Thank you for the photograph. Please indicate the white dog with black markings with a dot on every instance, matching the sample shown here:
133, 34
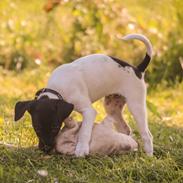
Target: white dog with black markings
78, 84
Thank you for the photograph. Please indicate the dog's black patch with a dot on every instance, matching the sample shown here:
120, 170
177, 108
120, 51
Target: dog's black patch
47, 117
124, 64
143, 65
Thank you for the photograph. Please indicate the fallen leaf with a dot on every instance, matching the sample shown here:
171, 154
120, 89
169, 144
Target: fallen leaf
43, 173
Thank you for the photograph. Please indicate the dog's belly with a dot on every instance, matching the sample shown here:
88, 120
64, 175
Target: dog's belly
93, 76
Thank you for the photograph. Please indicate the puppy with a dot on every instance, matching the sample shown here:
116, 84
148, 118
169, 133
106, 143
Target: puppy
104, 139
77, 85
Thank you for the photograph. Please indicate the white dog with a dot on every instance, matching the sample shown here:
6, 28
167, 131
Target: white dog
104, 139
82, 82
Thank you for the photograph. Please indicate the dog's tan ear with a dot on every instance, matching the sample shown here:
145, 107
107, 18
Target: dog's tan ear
21, 107
70, 123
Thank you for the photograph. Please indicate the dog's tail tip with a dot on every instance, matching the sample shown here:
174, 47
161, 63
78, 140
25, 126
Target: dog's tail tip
142, 66
126, 37
142, 38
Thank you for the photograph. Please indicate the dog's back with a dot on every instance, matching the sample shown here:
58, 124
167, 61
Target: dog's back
96, 72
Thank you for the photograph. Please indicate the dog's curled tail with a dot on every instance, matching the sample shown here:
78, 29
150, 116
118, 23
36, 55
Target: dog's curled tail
143, 65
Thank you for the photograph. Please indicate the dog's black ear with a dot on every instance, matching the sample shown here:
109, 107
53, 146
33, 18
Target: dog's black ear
64, 109
21, 107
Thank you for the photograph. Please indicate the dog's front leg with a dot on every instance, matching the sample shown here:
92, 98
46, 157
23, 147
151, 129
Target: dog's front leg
82, 147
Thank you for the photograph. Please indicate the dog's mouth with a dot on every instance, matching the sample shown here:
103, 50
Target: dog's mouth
48, 149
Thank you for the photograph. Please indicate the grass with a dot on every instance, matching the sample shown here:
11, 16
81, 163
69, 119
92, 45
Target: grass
21, 163
28, 31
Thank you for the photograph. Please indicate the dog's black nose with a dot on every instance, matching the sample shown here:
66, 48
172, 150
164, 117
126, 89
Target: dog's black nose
47, 149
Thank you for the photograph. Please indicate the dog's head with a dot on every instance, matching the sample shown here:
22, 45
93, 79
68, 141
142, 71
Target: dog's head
47, 117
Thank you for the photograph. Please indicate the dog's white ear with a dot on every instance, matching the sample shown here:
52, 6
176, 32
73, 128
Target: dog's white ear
21, 107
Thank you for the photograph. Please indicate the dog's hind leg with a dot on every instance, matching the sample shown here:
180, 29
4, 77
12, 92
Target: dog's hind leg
114, 105
137, 106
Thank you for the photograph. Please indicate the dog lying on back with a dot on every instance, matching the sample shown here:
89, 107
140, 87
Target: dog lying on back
104, 139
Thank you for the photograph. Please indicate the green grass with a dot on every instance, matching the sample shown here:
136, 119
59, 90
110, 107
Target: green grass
27, 33
21, 163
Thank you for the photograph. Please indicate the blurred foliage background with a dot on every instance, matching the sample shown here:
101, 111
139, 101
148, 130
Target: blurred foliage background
53, 32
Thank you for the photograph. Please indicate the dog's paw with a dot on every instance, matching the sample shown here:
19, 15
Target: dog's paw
127, 131
148, 147
150, 154
81, 150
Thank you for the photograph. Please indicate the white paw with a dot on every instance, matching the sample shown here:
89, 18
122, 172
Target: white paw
150, 154
148, 147
81, 150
